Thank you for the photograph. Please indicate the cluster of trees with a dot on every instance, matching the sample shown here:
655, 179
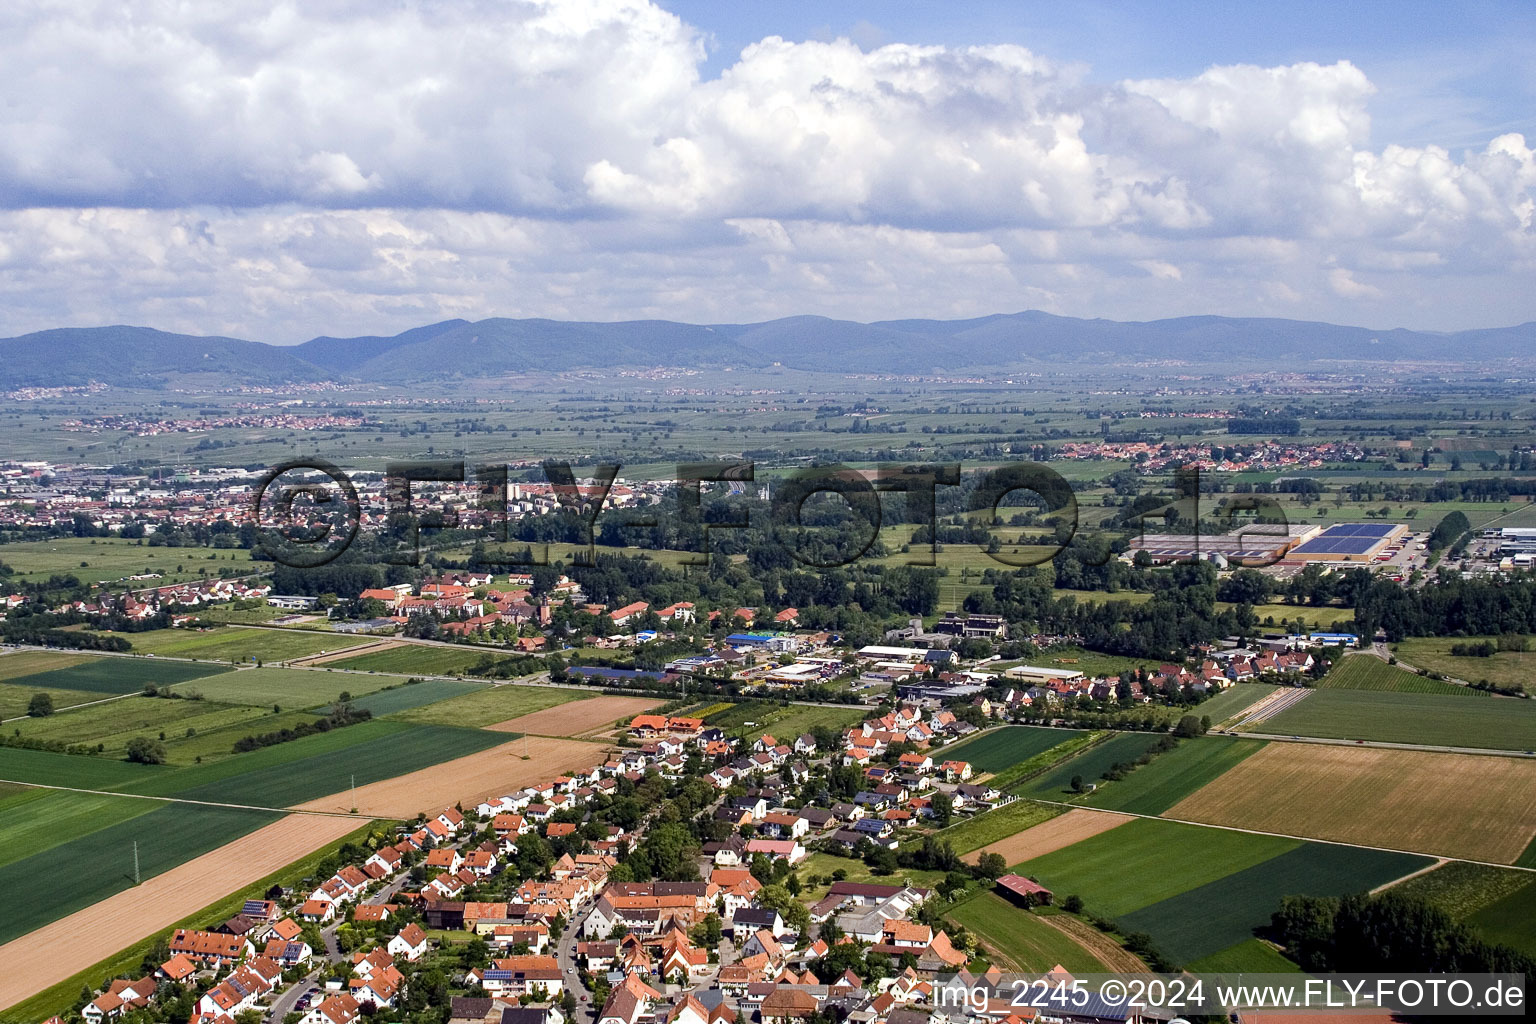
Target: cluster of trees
341, 715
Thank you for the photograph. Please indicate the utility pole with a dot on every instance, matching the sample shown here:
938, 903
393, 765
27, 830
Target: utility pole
135, 862
354, 792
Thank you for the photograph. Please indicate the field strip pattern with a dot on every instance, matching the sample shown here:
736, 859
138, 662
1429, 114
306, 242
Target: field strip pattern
1270, 706
69, 945
467, 780
1050, 836
1467, 806
578, 717
167, 799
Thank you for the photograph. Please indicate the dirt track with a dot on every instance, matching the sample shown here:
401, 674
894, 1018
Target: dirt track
578, 717
466, 780
52, 953
1049, 836
1113, 955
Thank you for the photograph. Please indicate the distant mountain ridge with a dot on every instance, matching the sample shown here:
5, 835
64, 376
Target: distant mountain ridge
461, 349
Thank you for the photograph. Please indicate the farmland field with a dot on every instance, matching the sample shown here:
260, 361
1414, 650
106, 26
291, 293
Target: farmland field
1471, 806
1091, 764
1234, 700
791, 722
1496, 723
110, 559
1461, 889
1251, 956
289, 687
998, 749
52, 769
1364, 672
1224, 912
100, 863
240, 643
1047, 837
117, 675
113, 723
14, 664
1018, 941
1155, 787
1505, 668
14, 699
1508, 920
991, 826
415, 695
418, 659
54, 818
1146, 860
489, 705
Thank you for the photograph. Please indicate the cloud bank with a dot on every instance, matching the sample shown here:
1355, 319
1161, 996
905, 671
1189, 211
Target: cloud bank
343, 166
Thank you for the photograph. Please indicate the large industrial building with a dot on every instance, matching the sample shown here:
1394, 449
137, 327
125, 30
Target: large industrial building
1255, 544
1349, 542
1513, 540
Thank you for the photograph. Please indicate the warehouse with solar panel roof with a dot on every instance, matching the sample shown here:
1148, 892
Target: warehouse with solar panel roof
1349, 542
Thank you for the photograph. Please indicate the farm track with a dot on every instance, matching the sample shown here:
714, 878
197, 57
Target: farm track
1269, 707
1114, 956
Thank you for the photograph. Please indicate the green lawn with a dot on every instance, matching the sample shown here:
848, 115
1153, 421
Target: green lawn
487, 706
421, 660
1251, 956
999, 749
1147, 860
1205, 920
15, 699
1170, 777
100, 863
786, 724
1505, 668
824, 864
287, 687
1091, 764
1364, 672
990, 826
117, 675
240, 643
1496, 723
1019, 941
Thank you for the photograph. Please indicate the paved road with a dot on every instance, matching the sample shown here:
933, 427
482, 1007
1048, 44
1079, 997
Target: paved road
565, 953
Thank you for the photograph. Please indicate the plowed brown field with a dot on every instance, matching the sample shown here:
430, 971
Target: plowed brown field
577, 718
1048, 836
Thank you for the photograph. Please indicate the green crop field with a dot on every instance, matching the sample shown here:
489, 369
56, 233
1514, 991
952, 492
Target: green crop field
1462, 889
416, 659
288, 687
999, 749
1147, 860
1205, 920
990, 826
384, 754
113, 723
487, 706
1170, 777
15, 664
15, 699
1495, 723
214, 740
51, 769
1251, 956
786, 724
1019, 941
1364, 672
117, 675
405, 697
1507, 921
1505, 668
241, 643
1233, 701
1091, 764
100, 863
110, 559
55, 817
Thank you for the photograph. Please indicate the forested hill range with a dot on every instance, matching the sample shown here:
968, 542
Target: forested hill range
460, 349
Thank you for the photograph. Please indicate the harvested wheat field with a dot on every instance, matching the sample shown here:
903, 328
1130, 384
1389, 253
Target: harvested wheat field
467, 780
577, 718
1470, 806
1050, 836
54, 952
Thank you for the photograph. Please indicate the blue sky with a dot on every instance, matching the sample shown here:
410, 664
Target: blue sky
279, 170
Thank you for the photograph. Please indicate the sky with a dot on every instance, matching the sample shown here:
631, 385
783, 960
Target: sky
279, 171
